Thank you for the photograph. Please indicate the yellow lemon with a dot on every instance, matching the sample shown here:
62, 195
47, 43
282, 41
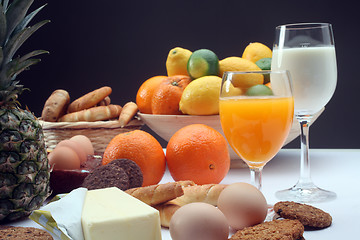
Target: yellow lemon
201, 96
176, 62
256, 51
241, 64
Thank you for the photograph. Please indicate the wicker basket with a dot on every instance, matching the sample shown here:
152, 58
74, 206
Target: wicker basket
100, 133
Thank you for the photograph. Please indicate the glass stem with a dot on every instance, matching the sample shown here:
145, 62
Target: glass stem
305, 178
256, 175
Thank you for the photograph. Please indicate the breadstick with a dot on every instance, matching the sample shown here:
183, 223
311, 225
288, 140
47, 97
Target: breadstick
99, 113
128, 112
105, 102
156, 194
89, 100
208, 193
55, 106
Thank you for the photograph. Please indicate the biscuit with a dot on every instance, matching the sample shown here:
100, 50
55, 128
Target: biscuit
308, 215
21, 233
132, 170
107, 176
274, 230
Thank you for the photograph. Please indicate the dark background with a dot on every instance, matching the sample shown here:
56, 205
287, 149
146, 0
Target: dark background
123, 43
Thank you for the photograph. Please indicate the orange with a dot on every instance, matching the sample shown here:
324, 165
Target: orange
142, 148
146, 92
199, 153
168, 94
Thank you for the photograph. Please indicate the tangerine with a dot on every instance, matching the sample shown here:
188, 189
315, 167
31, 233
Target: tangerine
167, 95
146, 92
142, 148
199, 153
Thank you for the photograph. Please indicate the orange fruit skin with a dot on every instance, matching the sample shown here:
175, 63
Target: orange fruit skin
145, 93
142, 148
167, 96
199, 153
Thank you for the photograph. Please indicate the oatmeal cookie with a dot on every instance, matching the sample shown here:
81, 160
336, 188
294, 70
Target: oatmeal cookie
308, 215
285, 229
21, 233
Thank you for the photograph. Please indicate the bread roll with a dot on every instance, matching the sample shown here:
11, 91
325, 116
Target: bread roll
55, 106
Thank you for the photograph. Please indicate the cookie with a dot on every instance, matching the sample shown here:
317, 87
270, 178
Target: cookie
21, 233
274, 230
308, 215
107, 176
132, 170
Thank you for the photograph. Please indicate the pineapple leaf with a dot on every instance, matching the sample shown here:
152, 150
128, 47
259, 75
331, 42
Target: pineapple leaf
32, 54
2, 25
16, 41
5, 5
16, 13
23, 24
1, 55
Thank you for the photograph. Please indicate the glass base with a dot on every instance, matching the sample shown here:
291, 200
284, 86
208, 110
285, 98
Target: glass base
306, 194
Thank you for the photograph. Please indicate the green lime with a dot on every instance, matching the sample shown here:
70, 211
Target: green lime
203, 62
264, 64
259, 90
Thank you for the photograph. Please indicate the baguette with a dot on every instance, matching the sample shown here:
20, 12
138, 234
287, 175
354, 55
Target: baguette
89, 100
55, 106
99, 113
208, 193
157, 194
105, 102
128, 112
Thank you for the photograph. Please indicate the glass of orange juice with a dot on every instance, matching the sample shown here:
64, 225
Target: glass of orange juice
256, 114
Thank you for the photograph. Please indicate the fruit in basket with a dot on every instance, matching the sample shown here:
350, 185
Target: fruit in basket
201, 96
24, 167
203, 62
256, 51
142, 148
176, 62
198, 153
241, 64
145, 93
167, 95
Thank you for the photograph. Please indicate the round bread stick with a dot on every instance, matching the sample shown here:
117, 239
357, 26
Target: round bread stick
99, 113
89, 100
55, 106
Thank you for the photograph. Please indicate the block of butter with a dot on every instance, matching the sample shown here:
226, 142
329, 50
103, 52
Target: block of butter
110, 213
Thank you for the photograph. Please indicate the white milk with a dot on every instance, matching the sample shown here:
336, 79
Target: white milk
313, 72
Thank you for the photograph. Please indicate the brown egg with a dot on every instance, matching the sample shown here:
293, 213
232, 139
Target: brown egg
243, 205
198, 221
85, 142
64, 158
77, 147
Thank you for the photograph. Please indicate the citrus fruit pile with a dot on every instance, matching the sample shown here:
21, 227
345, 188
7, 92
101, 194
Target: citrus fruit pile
196, 152
193, 81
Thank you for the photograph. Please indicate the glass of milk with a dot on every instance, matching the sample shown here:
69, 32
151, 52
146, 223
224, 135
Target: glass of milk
307, 51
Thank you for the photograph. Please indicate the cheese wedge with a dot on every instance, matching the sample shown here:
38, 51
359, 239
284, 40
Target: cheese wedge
113, 214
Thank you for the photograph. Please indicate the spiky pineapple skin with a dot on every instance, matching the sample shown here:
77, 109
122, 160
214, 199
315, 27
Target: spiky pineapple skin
24, 166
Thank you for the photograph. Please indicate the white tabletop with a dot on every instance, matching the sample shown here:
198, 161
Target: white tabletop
335, 170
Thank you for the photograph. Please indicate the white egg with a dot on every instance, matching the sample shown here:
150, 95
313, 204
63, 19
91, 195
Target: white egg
243, 205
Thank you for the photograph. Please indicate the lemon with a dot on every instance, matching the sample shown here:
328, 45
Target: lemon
241, 64
201, 96
176, 62
203, 62
256, 51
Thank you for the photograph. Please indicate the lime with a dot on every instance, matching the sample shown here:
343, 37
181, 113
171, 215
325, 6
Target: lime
203, 62
259, 90
265, 64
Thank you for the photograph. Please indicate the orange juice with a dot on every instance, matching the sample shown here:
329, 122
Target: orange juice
256, 128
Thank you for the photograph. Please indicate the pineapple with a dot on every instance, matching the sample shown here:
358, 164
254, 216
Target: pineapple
24, 167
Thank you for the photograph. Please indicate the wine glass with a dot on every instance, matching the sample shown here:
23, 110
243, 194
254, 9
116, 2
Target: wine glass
306, 50
256, 120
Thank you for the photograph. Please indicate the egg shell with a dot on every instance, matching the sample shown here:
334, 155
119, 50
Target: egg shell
85, 142
64, 158
198, 221
243, 205
75, 146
